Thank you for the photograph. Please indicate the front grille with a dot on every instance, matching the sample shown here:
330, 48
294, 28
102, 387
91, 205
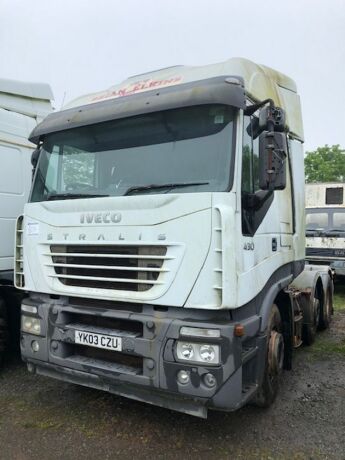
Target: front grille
117, 267
128, 364
129, 327
325, 252
126, 361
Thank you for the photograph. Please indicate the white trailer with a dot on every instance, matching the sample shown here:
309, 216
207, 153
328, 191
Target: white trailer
163, 245
22, 107
325, 225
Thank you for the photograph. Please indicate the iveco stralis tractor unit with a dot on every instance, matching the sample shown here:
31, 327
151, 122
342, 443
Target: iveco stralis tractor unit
325, 225
22, 106
163, 245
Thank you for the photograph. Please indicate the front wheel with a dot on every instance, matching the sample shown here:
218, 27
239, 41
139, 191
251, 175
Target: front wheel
274, 360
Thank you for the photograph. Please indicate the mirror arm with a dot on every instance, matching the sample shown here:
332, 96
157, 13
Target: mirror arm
251, 109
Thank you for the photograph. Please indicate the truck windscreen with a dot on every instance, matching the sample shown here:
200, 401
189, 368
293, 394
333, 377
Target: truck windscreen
179, 151
321, 220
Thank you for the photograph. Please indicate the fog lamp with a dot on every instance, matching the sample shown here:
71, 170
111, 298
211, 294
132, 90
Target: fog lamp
183, 377
35, 346
209, 380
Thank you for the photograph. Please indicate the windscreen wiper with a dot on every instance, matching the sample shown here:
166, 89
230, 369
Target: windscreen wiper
71, 196
312, 232
332, 231
143, 188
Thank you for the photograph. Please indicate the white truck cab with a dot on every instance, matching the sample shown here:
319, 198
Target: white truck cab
325, 225
164, 236
22, 106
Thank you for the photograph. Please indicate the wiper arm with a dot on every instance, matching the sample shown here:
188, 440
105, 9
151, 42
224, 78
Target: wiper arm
142, 188
334, 230
311, 232
71, 196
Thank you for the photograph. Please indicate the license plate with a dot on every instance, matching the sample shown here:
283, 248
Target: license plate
108, 342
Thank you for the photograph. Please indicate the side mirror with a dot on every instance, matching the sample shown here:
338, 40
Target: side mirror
272, 119
272, 160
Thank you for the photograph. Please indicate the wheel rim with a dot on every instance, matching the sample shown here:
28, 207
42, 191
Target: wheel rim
275, 353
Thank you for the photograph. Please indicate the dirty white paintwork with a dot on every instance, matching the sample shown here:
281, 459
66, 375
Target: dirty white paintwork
22, 106
261, 82
315, 195
209, 268
316, 198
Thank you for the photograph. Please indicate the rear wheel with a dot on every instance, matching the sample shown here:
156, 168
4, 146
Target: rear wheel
326, 309
274, 360
3, 330
311, 314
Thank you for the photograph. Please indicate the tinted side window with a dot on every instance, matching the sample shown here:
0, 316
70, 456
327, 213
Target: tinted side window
251, 215
250, 160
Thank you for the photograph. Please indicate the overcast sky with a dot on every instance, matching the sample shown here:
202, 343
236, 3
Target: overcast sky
81, 46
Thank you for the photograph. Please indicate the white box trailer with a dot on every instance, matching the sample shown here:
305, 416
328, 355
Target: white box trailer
22, 106
325, 225
163, 244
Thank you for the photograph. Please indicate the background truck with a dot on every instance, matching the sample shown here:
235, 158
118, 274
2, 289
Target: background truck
22, 106
325, 225
163, 245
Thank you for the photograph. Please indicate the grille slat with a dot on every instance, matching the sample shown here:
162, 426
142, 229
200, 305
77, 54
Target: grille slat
111, 267
110, 256
103, 278
108, 266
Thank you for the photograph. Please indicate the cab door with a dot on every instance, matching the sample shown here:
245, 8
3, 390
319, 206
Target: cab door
267, 227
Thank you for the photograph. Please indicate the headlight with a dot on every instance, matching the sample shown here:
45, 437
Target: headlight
31, 325
197, 352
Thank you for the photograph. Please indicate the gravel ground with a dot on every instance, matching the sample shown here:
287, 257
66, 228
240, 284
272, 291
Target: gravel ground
42, 418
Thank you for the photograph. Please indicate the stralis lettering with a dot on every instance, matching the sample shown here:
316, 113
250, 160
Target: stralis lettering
102, 237
100, 218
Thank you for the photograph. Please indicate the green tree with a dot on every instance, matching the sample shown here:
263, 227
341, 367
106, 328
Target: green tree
325, 164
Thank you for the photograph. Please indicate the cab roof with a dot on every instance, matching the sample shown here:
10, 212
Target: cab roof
28, 98
180, 86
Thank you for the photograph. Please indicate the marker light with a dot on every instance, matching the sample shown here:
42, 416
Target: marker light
29, 308
199, 332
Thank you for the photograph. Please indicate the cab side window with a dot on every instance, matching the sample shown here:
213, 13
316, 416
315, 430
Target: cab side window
250, 159
252, 215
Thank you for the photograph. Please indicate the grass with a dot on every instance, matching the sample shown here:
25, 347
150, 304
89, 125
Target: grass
332, 343
339, 295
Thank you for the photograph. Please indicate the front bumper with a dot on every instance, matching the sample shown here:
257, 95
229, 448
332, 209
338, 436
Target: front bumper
147, 367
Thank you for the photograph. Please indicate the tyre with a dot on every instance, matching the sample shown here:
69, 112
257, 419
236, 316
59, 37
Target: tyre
3, 330
274, 360
311, 315
326, 309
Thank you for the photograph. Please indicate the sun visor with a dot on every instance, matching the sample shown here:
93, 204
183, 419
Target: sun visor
227, 90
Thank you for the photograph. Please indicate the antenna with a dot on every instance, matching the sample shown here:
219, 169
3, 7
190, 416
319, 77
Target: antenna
63, 100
